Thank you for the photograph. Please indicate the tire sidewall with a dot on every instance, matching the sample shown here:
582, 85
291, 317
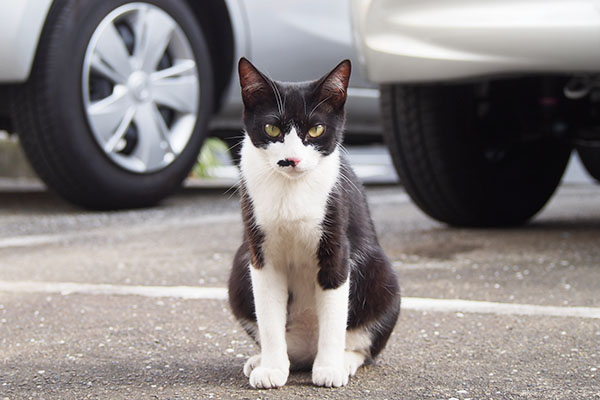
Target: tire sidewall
96, 173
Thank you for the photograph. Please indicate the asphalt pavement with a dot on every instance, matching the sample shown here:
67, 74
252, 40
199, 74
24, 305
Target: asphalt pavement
130, 304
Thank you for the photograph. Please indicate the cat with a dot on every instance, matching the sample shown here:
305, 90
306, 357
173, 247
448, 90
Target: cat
310, 282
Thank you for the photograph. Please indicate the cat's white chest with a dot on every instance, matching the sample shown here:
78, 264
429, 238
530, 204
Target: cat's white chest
290, 218
281, 204
288, 211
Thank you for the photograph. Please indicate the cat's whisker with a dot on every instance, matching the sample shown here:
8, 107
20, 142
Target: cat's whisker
236, 137
340, 185
348, 180
277, 96
317, 106
234, 189
344, 150
280, 101
235, 145
273, 115
232, 194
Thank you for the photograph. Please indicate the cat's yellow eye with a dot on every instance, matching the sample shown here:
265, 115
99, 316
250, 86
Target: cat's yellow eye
272, 130
316, 131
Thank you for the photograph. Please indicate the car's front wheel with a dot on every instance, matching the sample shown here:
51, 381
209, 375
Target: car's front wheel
476, 155
116, 108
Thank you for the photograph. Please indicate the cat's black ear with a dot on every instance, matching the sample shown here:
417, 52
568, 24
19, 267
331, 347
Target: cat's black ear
333, 87
254, 84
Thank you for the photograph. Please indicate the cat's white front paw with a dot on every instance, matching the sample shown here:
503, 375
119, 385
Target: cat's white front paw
267, 378
252, 363
330, 376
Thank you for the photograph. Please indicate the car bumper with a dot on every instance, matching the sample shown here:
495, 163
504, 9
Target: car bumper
437, 40
21, 24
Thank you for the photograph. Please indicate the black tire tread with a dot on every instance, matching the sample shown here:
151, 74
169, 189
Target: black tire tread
427, 130
33, 118
418, 159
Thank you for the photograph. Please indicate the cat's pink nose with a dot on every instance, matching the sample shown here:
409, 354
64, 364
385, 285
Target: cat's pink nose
293, 161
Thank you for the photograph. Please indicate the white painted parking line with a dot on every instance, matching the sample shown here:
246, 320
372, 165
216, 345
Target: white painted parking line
487, 307
34, 240
218, 293
67, 288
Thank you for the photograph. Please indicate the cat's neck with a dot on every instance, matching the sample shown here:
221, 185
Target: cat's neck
277, 198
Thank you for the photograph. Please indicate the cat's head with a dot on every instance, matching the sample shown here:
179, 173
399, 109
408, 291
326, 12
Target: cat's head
294, 125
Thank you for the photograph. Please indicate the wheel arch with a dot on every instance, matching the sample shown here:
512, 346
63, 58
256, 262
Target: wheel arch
216, 24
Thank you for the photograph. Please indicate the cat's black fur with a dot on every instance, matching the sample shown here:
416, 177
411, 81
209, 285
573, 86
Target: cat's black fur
349, 242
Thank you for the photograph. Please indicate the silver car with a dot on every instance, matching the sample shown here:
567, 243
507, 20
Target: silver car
483, 101
112, 99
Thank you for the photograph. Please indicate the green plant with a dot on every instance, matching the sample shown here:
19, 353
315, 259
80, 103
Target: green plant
212, 155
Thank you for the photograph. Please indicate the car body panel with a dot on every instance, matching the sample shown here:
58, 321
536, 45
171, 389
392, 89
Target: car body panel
298, 40
437, 40
21, 24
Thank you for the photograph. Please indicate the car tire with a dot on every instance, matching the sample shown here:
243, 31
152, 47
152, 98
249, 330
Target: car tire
590, 158
95, 162
442, 153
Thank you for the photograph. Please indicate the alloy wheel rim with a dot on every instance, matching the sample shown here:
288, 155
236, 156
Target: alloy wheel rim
141, 87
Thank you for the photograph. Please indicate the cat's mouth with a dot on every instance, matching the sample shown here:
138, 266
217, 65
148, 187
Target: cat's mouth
292, 173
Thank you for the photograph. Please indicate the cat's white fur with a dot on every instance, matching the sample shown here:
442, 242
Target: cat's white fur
289, 206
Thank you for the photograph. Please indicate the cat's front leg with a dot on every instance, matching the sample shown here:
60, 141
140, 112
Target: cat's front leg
329, 368
270, 290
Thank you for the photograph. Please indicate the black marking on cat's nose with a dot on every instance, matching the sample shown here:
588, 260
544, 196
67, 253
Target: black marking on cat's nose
288, 162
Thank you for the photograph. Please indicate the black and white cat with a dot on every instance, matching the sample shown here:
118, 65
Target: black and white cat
310, 282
